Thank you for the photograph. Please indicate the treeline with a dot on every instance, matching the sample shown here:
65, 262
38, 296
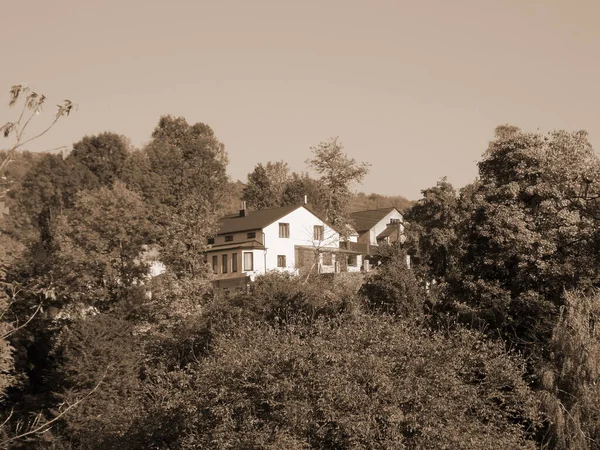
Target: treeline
487, 341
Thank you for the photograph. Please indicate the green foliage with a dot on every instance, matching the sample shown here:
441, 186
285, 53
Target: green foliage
280, 298
184, 161
393, 287
185, 237
99, 246
10, 252
100, 349
50, 188
184, 180
367, 383
103, 154
266, 185
338, 173
363, 202
433, 229
570, 382
523, 233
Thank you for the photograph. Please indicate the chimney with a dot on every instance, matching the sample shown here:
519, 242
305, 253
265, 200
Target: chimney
243, 209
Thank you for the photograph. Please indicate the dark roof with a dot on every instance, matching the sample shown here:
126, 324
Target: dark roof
254, 220
252, 243
365, 220
388, 232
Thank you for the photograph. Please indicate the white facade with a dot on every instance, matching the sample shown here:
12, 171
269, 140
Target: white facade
301, 223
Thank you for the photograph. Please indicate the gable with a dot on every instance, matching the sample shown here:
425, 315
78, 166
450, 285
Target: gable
365, 220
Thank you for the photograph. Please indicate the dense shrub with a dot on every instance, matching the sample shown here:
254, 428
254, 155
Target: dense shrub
281, 298
371, 382
393, 288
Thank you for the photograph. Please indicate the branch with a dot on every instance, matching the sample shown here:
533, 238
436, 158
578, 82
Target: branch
14, 330
41, 134
44, 425
7, 419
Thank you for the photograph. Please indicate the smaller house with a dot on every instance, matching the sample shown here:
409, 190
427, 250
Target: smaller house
379, 226
376, 227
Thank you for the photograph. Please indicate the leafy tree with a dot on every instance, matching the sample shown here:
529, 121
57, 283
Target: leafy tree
233, 197
50, 188
192, 222
184, 161
569, 382
338, 173
300, 185
186, 176
100, 350
530, 232
10, 252
266, 185
103, 154
393, 287
433, 223
99, 246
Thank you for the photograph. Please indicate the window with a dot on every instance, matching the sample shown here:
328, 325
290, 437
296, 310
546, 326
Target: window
234, 262
327, 259
248, 261
224, 264
252, 235
211, 241
284, 230
319, 232
215, 264
394, 221
352, 260
281, 261
229, 238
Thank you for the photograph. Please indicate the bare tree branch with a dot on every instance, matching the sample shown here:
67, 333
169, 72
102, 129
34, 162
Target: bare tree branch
14, 330
44, 427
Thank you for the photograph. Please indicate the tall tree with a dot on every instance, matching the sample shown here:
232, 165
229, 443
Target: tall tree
433, 227
266, 185
186, 176
303, 185
49, 188
99, 246
571, 394
338, 173
185, 160
103, 154
530, 232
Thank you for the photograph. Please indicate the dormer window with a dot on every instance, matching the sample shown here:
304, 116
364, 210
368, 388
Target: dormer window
251, 235
229, 238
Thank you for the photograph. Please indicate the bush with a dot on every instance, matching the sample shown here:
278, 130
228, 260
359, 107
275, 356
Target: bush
281, 298
370, 382
393, 287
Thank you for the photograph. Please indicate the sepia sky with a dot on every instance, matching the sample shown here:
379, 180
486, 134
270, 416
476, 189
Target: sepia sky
416, 88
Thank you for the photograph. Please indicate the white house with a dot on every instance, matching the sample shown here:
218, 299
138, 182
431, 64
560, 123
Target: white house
377, 226
289, 239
